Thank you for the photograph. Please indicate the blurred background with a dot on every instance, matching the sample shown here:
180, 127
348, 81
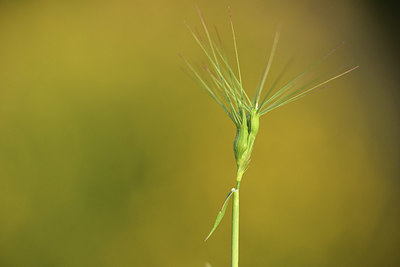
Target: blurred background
111, 156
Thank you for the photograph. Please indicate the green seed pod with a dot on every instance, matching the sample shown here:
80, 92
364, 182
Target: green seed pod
253, 125
254, 122
240, 144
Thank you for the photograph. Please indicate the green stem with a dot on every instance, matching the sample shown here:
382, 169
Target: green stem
235, 224
235, 229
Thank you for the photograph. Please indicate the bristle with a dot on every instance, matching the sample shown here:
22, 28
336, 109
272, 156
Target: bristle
334, 50
218, 36
200, 15
295, 97
198, 34
236, 51
267, 69
181, 56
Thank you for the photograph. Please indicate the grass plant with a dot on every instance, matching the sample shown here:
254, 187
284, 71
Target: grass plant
223, 82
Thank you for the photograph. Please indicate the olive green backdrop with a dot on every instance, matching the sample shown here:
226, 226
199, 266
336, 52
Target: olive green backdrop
111, 156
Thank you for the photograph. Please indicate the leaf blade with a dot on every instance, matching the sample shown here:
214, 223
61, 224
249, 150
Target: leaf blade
220, 214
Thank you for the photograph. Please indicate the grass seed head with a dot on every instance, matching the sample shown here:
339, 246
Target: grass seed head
224, 84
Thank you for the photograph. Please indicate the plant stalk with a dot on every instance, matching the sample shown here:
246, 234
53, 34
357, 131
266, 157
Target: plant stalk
235, 224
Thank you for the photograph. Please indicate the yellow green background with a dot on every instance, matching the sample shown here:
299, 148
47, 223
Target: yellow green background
111, 156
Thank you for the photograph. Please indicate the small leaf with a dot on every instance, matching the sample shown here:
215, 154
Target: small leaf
221, 214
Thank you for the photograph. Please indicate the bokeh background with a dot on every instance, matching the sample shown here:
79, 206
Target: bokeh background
111, 156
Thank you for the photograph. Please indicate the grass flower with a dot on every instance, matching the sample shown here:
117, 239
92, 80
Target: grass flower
223, 83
